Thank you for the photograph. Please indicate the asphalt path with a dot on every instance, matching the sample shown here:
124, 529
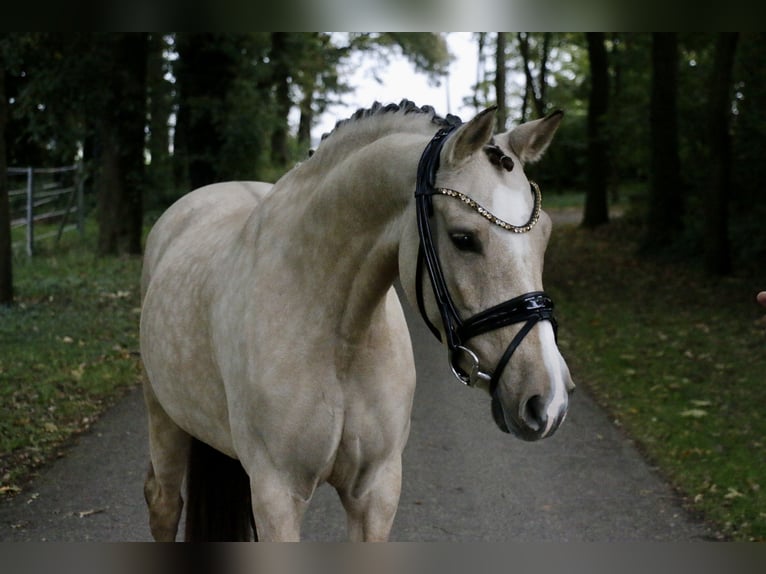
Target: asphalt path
464, 480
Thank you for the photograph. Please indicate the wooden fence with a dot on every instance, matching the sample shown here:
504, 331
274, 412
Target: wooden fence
50, 195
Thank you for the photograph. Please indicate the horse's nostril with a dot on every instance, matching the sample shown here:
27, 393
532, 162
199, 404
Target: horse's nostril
533, 413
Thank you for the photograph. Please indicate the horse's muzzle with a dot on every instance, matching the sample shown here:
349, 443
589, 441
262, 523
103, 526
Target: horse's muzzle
531, 422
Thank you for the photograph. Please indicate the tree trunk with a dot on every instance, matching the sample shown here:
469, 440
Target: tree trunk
480, 102
596, 200
537, 93
665, 213
543, 77
528, 86
307, 115
717, 251
6, 247
159, 176
502, 112
121, 138
281, 82
204, 75
617, 64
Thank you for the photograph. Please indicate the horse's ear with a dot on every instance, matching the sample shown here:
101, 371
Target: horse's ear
530, 140
470, 137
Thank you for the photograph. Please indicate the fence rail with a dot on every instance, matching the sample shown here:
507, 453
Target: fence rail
48, 195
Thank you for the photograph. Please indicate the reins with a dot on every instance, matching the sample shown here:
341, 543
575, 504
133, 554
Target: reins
529, 308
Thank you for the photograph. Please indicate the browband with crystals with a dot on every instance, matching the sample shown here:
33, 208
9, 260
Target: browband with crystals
485, 213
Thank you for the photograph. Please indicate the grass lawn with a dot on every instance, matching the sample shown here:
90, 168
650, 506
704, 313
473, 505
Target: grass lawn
678, 359
68, 350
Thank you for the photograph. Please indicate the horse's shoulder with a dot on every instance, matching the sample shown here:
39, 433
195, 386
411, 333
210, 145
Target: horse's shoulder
220, 199
203, 214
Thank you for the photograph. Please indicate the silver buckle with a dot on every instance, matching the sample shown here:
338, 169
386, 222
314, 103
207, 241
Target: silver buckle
476, 378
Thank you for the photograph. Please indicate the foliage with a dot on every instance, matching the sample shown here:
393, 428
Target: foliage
57, 80
69, 350
427, 51
678, 361
628, 129
628, 126
45, 96
749, 125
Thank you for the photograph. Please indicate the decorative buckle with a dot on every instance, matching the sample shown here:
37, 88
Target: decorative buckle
476, 378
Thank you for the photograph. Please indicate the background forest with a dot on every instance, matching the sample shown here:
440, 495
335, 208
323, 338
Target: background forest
672, 120
661, 148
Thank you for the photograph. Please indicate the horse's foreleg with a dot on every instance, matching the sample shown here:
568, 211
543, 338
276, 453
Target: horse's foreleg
169, 451
277, 509
371, 505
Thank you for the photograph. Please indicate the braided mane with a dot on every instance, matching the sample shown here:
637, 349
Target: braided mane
404, 107
367, 125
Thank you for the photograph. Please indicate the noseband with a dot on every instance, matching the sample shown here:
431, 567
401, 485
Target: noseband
529, 308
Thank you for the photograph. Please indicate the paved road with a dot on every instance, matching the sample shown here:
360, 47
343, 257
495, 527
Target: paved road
464, 480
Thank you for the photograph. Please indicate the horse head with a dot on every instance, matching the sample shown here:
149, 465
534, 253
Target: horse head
480, 239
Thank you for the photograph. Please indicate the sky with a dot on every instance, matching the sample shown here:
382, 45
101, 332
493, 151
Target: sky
398, 80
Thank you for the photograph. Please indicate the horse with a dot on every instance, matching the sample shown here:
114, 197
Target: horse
274, 344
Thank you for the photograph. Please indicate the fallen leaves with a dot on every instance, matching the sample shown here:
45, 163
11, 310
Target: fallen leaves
50, 427
701, 403
693, 413
698, 412
119, 294
91, 512
733, 493
78, 372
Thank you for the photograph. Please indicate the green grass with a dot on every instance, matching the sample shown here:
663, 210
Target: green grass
678, 359
68, 350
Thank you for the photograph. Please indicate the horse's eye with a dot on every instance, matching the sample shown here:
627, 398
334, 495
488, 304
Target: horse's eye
465, 241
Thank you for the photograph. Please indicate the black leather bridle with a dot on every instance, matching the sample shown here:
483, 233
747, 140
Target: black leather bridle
529, 308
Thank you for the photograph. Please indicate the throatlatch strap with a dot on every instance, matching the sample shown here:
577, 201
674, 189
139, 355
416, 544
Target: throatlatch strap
419, 295
424, 189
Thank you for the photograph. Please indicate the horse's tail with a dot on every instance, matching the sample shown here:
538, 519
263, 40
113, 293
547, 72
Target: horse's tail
218, 505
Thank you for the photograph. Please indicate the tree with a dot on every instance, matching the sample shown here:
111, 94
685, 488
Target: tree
159, 177
304, 73
535, 90
427, 51
717, 192
120, 123
280, 64
502, 110
317, 80
46, 96
480, 94
6, 247
665, 210
748, 124
596, 206
205, 74
87, 91
630, 66
226, 107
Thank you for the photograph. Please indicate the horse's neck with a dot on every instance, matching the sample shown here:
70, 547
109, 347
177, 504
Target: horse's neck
339, 231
